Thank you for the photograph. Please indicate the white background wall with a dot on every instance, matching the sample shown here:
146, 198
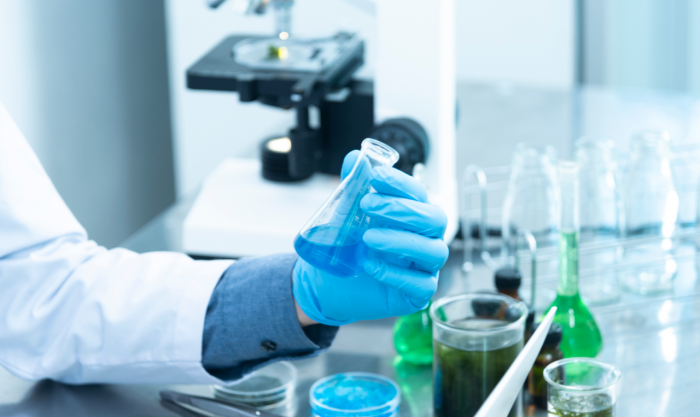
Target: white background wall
86, 82
498, 41
642, 44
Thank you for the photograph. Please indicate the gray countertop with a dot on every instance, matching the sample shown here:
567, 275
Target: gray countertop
655, 341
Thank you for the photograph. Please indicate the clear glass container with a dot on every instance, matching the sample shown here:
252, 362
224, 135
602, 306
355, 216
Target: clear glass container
270, 388
531, 201
599, 214
476, 338
651, 205
581, 387
580, 333
355, 394
332, 239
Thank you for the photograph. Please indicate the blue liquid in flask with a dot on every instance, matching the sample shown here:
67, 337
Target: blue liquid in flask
338, 251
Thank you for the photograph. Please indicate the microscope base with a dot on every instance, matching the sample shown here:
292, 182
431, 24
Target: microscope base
238, 213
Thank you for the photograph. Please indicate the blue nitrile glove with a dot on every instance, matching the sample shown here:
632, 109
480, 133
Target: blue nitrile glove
406, 253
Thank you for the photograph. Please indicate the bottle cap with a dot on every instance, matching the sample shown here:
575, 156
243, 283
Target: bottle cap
508, 278
485, 307
553, 336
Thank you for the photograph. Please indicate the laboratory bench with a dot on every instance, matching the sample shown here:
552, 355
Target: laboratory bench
655, 341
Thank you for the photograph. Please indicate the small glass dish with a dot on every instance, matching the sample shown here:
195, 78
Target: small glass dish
270, 388
355, 394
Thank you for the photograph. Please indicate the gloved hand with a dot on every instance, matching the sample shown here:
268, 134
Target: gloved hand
406, 253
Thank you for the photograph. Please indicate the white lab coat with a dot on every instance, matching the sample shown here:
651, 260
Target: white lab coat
73, 311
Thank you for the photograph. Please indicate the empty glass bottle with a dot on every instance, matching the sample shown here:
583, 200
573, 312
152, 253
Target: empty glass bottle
332, 239
651, 210
580, 333
600, 219
531, 201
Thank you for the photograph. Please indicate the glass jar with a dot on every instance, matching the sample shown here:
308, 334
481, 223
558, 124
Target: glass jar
476, 339
581, 387
599, 216
531, 201
651, 205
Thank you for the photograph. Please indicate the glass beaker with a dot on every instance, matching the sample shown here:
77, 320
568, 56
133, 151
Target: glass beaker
476, 338
531, 201
599, 216
332, 239
581, 387
651, 210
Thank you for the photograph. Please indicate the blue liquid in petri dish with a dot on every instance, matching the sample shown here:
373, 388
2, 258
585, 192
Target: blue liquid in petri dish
318, 246
355, 394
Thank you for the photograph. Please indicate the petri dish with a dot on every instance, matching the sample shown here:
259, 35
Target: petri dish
270, 388
355, 394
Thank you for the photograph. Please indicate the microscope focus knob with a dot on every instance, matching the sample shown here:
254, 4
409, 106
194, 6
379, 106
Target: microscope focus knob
408, 138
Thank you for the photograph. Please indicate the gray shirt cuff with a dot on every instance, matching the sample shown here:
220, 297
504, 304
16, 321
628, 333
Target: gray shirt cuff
251, 320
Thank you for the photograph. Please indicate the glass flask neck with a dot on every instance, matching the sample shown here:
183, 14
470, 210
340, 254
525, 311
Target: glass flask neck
533, 158
569, 196
594, 153
650, 145
568, 229
378, 153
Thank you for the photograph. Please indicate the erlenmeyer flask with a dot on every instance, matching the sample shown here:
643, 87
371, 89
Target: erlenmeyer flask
332, 239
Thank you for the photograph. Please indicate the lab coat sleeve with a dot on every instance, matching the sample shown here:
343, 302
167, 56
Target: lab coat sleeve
73, 311
259, 291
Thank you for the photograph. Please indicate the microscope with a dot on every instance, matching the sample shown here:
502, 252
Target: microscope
249, 208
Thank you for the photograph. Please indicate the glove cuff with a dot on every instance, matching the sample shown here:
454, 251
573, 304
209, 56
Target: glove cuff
306, 297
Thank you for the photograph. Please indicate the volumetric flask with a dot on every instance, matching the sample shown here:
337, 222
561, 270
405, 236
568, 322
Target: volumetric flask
599, 215
651, 211
476, 338
531, 202
332, 239
581, 387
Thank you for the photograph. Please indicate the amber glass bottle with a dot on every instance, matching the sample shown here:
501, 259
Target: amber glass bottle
537, 386
507, 281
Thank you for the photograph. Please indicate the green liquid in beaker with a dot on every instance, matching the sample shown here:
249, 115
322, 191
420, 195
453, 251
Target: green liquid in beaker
580, 334
413, 337
598, 405
464, 379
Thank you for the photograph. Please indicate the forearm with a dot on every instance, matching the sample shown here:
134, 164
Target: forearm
75, 312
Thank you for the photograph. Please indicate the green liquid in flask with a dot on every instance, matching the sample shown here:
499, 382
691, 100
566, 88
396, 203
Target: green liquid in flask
413, 337
580, 334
